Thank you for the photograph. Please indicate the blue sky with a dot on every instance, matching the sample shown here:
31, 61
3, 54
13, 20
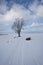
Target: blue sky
30, 10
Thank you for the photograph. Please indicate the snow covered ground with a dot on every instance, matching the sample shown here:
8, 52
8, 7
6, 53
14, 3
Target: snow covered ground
18, 51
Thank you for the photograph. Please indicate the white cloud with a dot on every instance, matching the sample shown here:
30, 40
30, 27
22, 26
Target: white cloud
37, 9
33, 27
40, 11
41, 1
36, 24
3, 6
18, 10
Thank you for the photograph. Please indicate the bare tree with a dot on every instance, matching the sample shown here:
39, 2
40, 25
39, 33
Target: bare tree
17, 25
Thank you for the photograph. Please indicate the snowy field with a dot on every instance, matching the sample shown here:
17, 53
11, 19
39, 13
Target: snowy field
18, 51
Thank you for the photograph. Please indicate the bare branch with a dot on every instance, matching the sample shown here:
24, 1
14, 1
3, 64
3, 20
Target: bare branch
17, 25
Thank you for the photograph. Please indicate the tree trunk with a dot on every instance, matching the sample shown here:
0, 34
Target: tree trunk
18, 33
